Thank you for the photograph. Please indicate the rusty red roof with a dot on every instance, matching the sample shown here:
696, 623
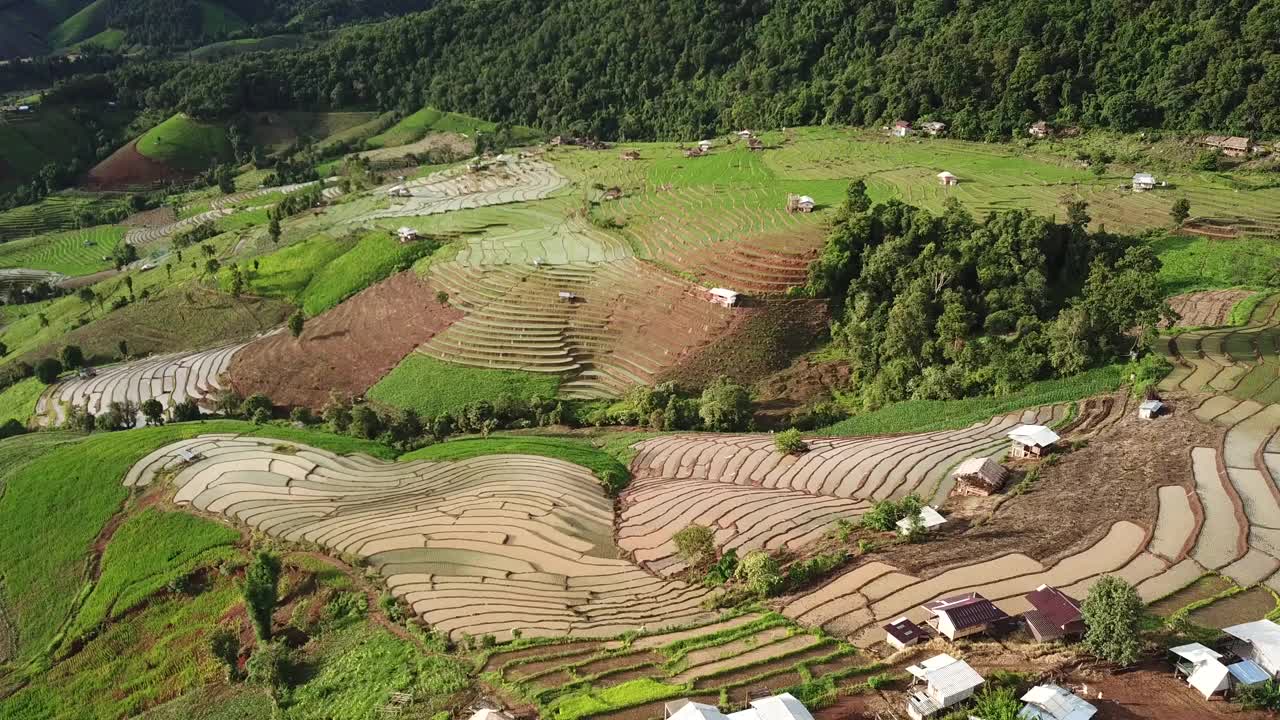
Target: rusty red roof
968, 610
1055, 606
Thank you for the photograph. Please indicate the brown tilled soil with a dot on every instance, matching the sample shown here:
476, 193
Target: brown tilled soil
1073, 503
1206, 309
345, 350
158, 217
127, 168
763, 338
796, 388
1151, 692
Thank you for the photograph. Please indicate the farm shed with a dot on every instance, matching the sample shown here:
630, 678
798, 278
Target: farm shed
774, 707
948, 681
902, 633
1032, 441
1053, 615
934, 128
407, 234
947, 179
1143, 182
979, 476
1040, 130
1202, 667
705, 145
612, 193
1258, 641
489, 714
1054, 702
901, 128
930, 518
566, 296
755, 144
631, 155
723, 296
1230, 145
800, 203
1150, 409
694, 152
963, 615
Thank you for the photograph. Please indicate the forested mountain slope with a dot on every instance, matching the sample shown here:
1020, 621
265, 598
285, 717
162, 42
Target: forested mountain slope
685, 67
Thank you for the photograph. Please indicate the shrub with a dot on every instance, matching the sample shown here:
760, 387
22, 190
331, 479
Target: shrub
72, 357
759, 571
806, 571
270, 666
153, 411
997, 704
225, 648
1263, 696
696, 544
185, 411
346, 606
1112, 611
885, 514
789, 442
261, 588
250, 407
48, 370
723, 570
725, 406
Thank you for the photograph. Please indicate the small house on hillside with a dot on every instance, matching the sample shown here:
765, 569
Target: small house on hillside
800, 203
979, 476
745, 134
631, 155
774, 707
407, 234
1143, 182
755, 144
929, 519
1150, 409
1032, 441
963, 615
901, 129
705, 145
1054, 615
902, 633
398, 191
934, 128
1040, 130
1053, 702
694, 152
1202, 667
1230, 145
947, 682
612, 193
947, 179
723, 296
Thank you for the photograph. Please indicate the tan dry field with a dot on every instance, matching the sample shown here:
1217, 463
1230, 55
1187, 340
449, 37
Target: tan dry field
346, 349
488, 545
1206, 309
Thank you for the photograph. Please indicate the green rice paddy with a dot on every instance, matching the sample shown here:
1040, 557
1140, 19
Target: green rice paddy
18, 401
428, 120
78, 252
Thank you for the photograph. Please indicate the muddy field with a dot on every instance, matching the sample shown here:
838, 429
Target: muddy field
1151, 692
1073, 503
796, 389
345, 350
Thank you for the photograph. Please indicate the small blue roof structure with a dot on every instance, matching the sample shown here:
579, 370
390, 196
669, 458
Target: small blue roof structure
1248, 672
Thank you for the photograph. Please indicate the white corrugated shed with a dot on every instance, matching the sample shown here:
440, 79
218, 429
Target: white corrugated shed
1210, 677
697, 711
1034, 435
1053, 702
1248, 672
953, 679
929, 518
1195, 653
1263, 637
776, 707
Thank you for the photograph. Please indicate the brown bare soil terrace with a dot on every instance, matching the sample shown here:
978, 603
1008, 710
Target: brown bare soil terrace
1206, 309
625, 325
483, 546
346, 349
127, 168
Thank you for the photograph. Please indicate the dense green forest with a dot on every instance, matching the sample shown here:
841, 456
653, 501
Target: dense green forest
943, 307
687, 68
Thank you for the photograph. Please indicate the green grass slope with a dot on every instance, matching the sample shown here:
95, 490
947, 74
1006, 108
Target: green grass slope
613, 475
216, 20
48, 135
185, 143
429, 120
18, 401
231, 48
432, 387
86, 23
25, 24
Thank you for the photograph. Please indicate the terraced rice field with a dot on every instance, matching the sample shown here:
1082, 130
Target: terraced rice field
1239, 362
79, 252
487, 545
628, 322
518, 180
52, 214
16, 280
1206, 309
171, 379
738, 657
755, 497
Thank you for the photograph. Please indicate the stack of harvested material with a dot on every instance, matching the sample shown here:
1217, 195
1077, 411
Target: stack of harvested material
980, 476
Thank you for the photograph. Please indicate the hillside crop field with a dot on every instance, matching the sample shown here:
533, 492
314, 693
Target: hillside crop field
18, 401
432, 387
79, 252
429, 120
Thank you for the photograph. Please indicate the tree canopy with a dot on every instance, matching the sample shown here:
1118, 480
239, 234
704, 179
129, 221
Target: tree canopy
685, 68
941, 307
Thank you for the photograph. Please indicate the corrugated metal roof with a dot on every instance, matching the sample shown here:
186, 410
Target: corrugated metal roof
1056, 606
1052, 702
1248, 672
954, 678
1034, 435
